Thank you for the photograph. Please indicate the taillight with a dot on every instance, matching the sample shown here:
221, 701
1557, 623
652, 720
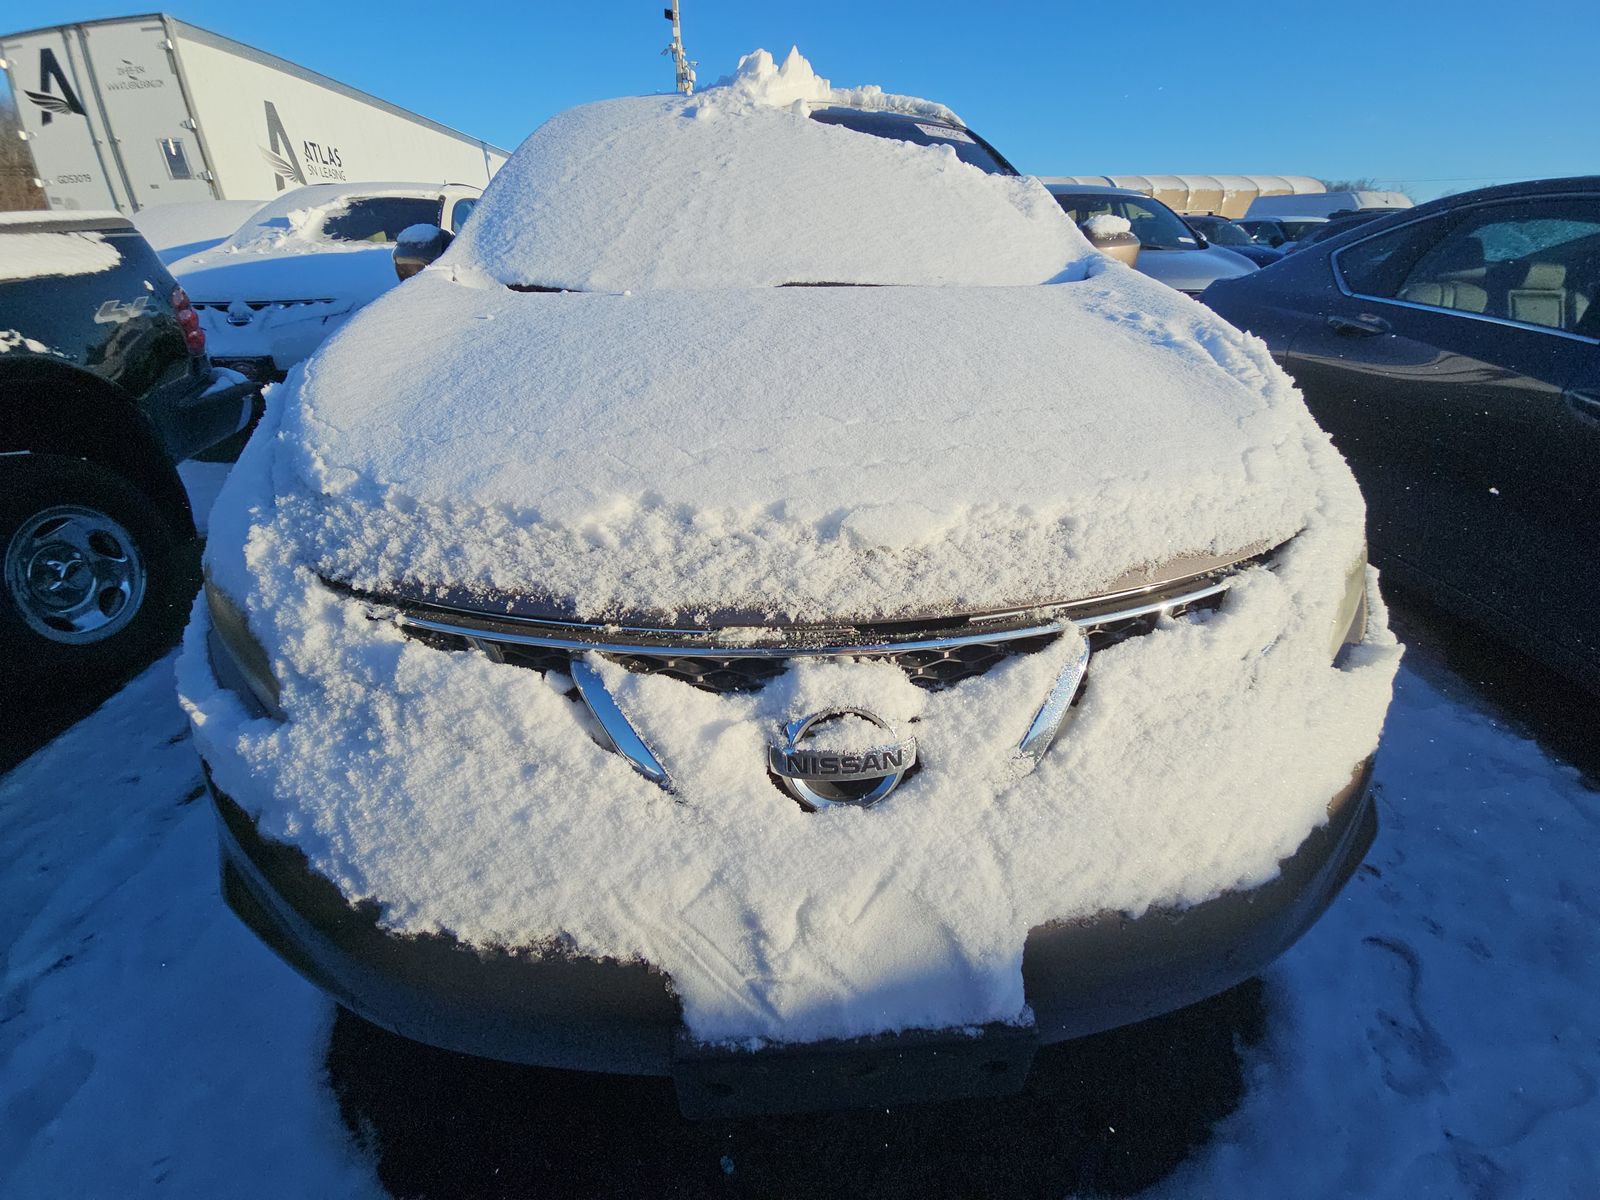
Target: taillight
189, 321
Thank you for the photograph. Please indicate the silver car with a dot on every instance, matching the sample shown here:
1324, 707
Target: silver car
1169, 250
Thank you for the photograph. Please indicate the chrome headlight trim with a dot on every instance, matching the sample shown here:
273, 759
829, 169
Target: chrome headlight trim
1350, 623
238, 660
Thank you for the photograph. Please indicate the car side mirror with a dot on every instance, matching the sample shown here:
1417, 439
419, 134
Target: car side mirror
1112, 236
417, 246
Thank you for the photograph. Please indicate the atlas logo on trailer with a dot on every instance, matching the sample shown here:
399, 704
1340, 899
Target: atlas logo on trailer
67, 102
323, 162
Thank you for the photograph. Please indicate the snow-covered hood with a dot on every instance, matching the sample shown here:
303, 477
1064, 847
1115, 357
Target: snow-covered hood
353, 275
798, 453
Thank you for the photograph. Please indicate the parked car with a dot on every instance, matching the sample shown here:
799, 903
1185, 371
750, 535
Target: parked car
1338, 222
302, 265
1220, 231
817, 651
1323, 204
1168, 249
1281, 233
1453, 352
106, 385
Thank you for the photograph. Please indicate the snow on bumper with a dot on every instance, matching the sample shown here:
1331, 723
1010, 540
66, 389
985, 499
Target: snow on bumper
284, 331
466, 797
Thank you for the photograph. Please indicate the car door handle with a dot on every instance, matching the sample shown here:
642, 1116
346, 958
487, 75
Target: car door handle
1585, 402
1366, 325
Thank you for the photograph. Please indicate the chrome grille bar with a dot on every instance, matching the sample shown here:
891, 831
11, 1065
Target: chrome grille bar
474, 628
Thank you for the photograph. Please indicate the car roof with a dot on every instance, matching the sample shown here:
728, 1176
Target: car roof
1530, 187
1091, 189
1352, 231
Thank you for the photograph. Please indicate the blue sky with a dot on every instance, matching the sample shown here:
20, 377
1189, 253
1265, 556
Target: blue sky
1435, 95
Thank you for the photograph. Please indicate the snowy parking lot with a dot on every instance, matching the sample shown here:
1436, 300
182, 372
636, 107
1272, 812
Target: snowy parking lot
1436, 1034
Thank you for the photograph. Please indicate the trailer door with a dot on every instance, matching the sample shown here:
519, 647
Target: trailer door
54, 102
133, 64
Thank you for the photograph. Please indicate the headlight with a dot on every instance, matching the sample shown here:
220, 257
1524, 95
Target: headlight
240, 662
1350, 626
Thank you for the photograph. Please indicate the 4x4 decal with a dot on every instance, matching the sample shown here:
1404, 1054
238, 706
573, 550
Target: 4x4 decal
115, 312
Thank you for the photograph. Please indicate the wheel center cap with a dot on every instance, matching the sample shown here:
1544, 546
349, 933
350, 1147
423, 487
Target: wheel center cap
59, 576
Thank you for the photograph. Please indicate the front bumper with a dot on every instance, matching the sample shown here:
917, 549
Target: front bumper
550, 1009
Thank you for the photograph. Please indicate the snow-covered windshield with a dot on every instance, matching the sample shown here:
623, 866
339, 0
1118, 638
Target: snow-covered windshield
1155, 225
378, 219
754, 183
335, 215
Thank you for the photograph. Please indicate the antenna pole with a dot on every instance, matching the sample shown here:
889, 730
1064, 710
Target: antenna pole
680, 61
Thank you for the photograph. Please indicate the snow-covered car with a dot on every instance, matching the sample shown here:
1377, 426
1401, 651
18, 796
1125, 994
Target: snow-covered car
772, 606
294, 273
1169, 250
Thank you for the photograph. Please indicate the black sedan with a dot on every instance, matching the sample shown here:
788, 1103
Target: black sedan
1453, 352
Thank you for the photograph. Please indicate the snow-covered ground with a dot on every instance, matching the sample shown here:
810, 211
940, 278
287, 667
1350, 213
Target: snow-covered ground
1436, 1035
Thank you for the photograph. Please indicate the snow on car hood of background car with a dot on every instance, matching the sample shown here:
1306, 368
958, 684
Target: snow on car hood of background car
737, 187
279, 254
809, 453
349, 275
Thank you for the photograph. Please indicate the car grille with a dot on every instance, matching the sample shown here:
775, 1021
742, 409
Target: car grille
222, 306
933, 658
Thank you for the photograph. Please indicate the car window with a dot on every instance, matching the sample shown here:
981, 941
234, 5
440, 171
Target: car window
1295, 230
460, 211
920, 131
1533, 261
379, 219
1155, 225
1263, 233
1225, 233
1378, 266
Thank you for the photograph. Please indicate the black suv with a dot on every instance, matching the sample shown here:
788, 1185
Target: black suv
104, 387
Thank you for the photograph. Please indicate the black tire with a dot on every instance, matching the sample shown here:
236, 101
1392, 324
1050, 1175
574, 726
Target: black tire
60, 663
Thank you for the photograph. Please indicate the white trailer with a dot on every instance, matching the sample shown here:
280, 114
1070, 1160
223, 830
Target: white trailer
140, 111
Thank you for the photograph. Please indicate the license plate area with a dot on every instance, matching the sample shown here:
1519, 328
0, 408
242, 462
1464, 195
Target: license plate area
907, 1068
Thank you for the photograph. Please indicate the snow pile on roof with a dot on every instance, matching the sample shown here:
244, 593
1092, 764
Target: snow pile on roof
759, 80
728, 189
46, 255
804, 452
